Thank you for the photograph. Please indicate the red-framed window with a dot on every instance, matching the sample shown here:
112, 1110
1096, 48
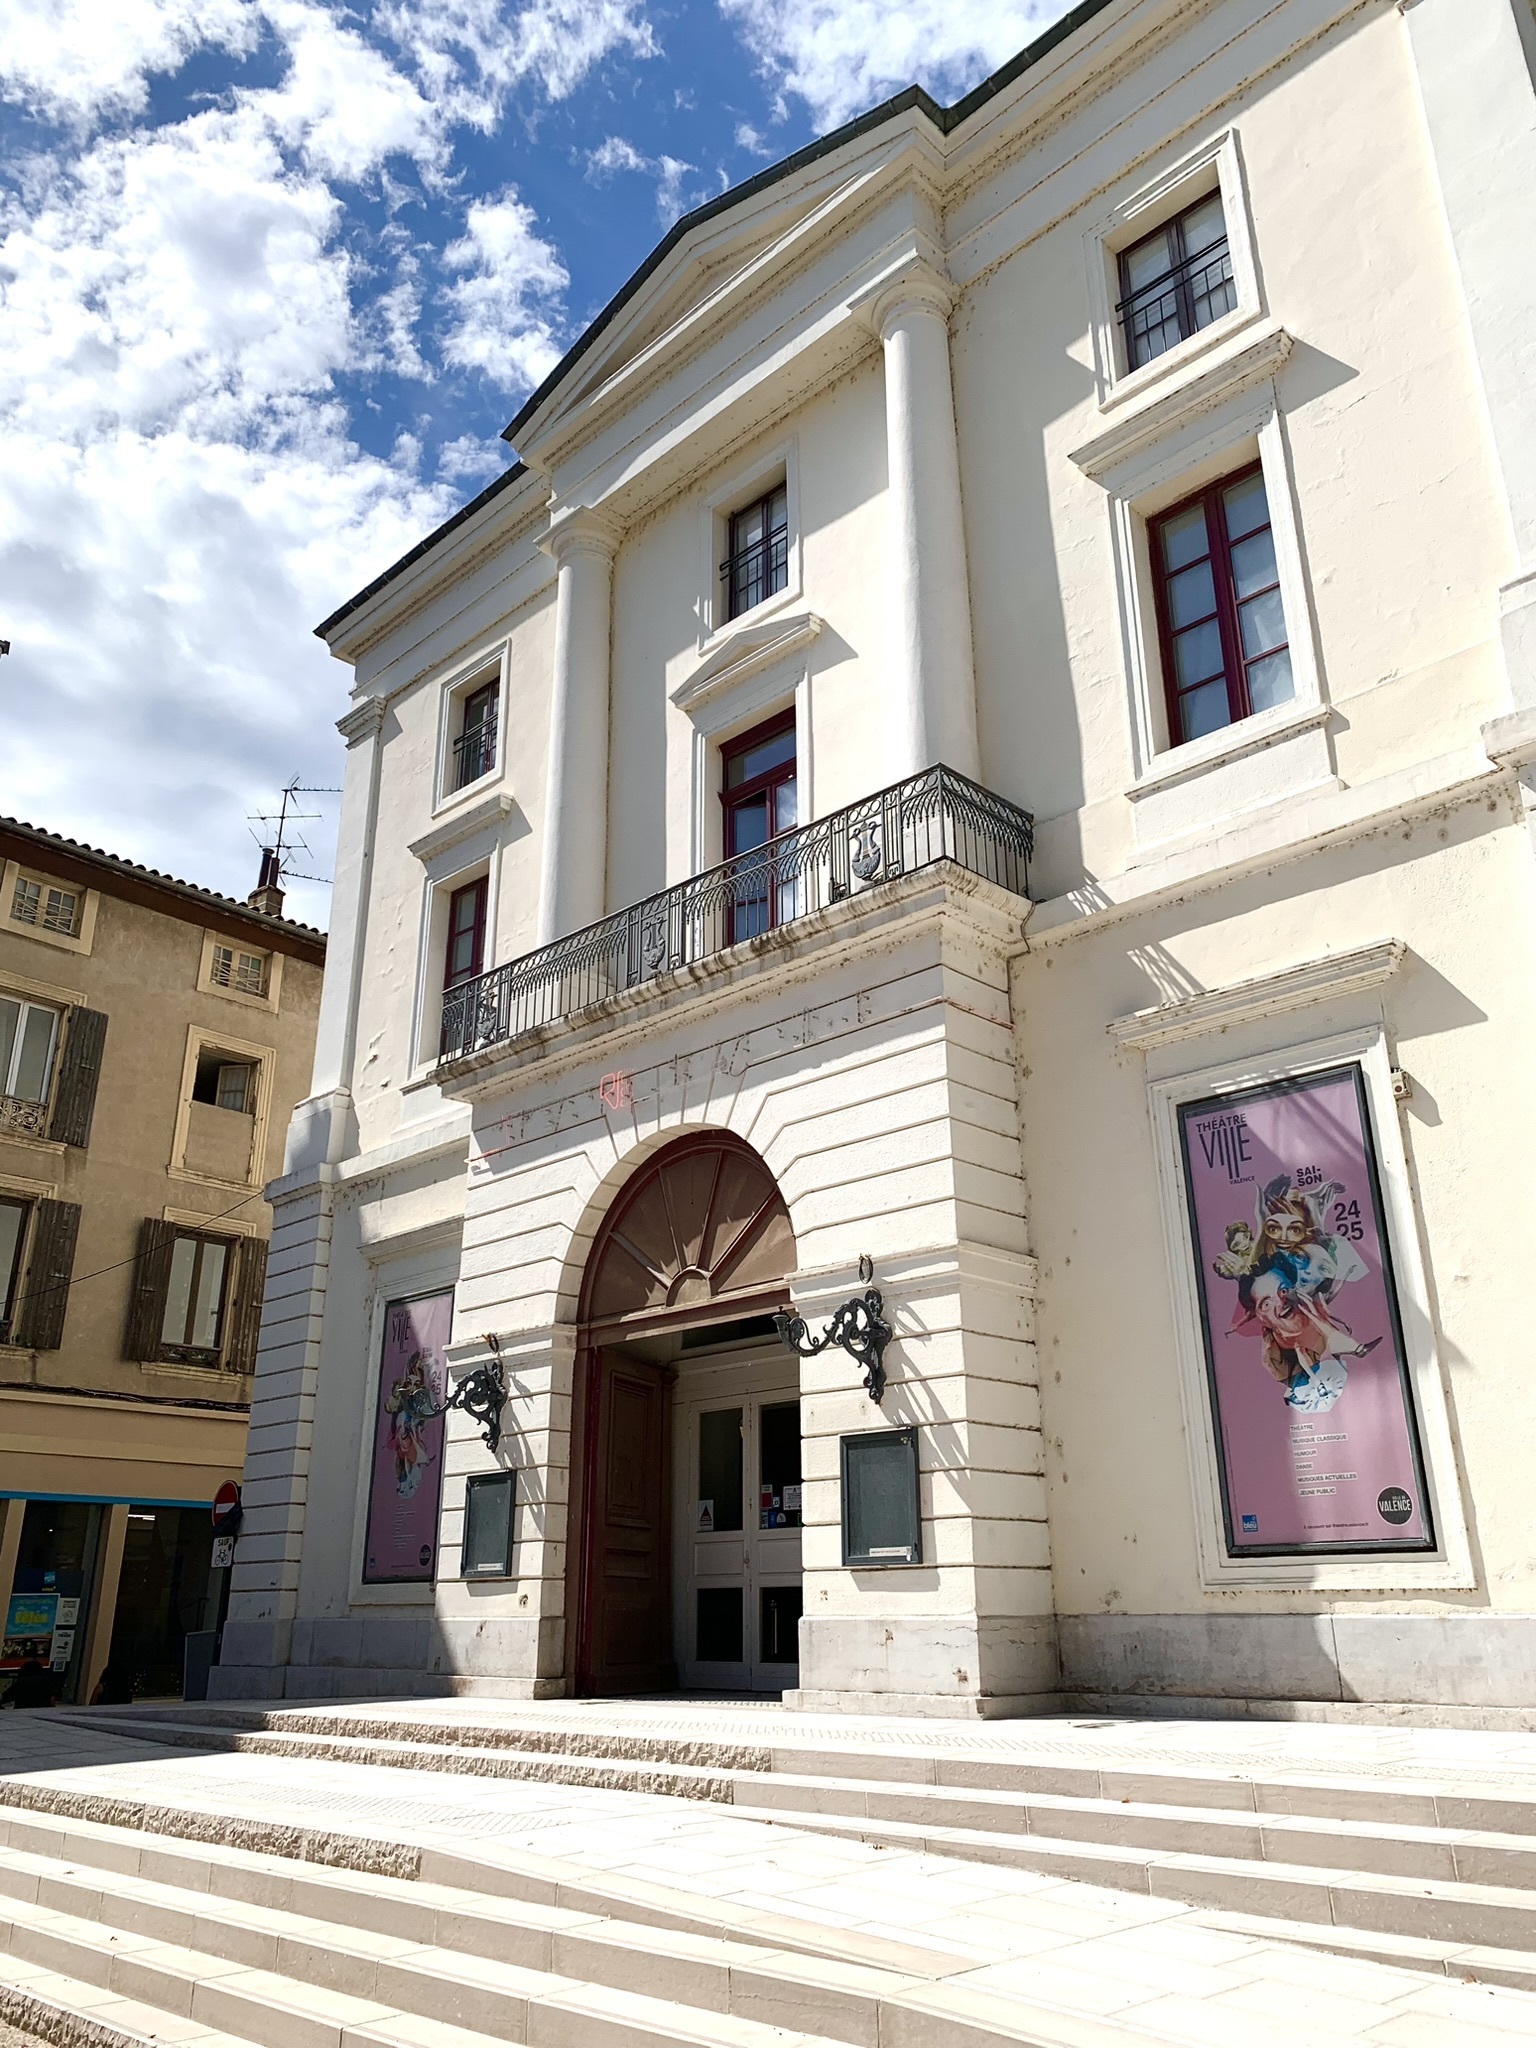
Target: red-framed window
464, 953
758, 793
1221, 622
474, 751
1175, 281
757, 564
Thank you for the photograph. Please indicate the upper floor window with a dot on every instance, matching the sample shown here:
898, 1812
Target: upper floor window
225, 1083
464, 955
760, 800
28, 1032
474, 750
47, 906
1175, 281
757, 564
1220, 617
192, 1322
232, 967
13, 1232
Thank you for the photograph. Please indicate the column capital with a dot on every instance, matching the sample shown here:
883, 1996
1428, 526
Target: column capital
920, 286
578, 529
363, 720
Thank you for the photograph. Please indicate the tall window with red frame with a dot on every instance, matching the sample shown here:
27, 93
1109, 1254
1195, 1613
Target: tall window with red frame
1225, 649
464, 953
758, 793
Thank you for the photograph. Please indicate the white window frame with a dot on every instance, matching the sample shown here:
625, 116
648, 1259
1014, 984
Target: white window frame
1249, 427
1216, 166
207, 986
733, 494
199, 1040
31, 1002
489, 664
79, 941
1450, 1564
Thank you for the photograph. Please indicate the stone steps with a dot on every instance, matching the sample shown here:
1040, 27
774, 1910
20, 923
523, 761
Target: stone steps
188, 1934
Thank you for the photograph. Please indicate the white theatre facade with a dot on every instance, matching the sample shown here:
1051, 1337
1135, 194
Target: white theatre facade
981, 753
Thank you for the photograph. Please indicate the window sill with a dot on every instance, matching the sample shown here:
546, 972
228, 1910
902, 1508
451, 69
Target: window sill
1232, 358
1232, 743
1168, 367
451, 799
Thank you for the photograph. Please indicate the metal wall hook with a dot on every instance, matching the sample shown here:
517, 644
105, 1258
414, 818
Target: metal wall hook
482, 1394
859, 1327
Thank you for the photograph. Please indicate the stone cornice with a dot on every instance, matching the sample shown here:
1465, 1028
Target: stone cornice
578, 529
363, 720
489, 810
742, 653
1207, 384
1269, 995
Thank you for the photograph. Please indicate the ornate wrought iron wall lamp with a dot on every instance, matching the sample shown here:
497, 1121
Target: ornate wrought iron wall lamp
482, 1394
859, 1326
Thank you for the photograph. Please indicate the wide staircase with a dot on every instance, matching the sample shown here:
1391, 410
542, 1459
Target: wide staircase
161, 1924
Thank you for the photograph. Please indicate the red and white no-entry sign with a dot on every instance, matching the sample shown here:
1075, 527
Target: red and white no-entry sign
226, 1509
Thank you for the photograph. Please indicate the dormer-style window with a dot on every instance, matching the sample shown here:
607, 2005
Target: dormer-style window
47, 906
757, 565
232, 967
1175, 281
474, 750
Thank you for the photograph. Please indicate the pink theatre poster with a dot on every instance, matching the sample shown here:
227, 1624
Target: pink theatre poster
1315, 1427
408, 1441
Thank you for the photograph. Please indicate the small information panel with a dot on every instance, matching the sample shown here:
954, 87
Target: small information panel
489, 1498
882, 1522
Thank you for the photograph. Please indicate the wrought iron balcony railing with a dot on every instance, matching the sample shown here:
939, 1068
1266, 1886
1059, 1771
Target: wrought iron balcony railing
938, 815
474, 752
1170, 308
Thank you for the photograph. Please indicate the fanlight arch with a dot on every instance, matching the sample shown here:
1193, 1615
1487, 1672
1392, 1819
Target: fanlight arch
702, 1223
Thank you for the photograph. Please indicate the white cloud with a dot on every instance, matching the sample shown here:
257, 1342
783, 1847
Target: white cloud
670, 173
751, 139
843, 56
72, 59
472, 459
505, 309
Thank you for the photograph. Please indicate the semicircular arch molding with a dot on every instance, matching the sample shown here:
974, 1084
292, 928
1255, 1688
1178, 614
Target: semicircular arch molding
701, 1224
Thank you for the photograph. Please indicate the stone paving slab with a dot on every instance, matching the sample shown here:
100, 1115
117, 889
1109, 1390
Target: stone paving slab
1153, 1965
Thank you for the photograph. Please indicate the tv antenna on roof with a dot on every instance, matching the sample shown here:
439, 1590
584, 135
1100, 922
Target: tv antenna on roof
278, 840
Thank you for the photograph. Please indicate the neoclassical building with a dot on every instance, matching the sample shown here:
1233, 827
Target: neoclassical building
979, 756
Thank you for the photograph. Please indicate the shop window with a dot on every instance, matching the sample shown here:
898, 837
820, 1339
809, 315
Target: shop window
50, 1592
225, 1083
1221, 621
756, 565
163, 1596
760, 799
1175, 281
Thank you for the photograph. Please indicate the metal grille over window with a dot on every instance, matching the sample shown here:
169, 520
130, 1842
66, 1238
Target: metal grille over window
50, 909
474, 751
758, 562
28, 1034
244, 972
1175, 282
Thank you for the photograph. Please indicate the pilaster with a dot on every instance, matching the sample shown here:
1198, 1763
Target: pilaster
574, 876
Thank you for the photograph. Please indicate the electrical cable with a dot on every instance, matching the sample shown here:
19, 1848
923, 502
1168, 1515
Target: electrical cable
79, 1279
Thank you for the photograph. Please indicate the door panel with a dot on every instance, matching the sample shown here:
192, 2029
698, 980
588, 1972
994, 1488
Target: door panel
627, 1624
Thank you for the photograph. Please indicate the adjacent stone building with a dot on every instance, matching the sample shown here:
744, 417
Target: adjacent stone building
980, 752
154, 1038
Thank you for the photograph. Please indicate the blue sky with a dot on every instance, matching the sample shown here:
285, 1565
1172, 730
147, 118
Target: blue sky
273, 276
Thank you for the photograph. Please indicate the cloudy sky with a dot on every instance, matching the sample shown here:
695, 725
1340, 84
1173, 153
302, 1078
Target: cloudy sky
274, 275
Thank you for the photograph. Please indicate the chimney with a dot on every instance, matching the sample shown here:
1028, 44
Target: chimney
268, 894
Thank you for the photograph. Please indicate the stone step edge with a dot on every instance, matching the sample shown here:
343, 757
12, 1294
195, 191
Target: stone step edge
722, 1789
54, 2008
553, 1880
1201, 1875
1461, 1962
774, 1758
993, 2021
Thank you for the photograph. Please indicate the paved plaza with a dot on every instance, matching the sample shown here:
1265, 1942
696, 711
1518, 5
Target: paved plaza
984, 1937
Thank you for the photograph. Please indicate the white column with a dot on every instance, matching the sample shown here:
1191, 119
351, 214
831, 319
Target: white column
1476, 67
574, 882
931, 600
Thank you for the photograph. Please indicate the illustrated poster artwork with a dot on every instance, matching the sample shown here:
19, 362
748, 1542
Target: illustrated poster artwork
1315, 1425
408, 1441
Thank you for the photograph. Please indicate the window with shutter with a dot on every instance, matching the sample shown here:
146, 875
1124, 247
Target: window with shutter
15, 1214
149, 1287
245, 1318
74, 1102
40, 1319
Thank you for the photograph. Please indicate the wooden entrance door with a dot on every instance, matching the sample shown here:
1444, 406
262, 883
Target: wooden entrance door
625, 1629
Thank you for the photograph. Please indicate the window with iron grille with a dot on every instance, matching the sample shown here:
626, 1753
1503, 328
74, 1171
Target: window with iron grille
1221, 620
474, 751
46, 906
1175, 281
246, 973
757, 564
761, 803
28, 1038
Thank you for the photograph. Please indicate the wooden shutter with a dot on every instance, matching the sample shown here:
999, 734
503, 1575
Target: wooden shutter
245, 1304
74, 1100
142, 1336
40, 1324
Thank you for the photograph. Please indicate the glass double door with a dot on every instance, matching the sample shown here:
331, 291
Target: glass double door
738, 1513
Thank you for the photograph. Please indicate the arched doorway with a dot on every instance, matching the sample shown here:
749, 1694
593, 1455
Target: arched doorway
675, 1339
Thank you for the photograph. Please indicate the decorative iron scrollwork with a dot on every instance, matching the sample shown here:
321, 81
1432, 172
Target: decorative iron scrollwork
859, 1327
482, 1394
867, 858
